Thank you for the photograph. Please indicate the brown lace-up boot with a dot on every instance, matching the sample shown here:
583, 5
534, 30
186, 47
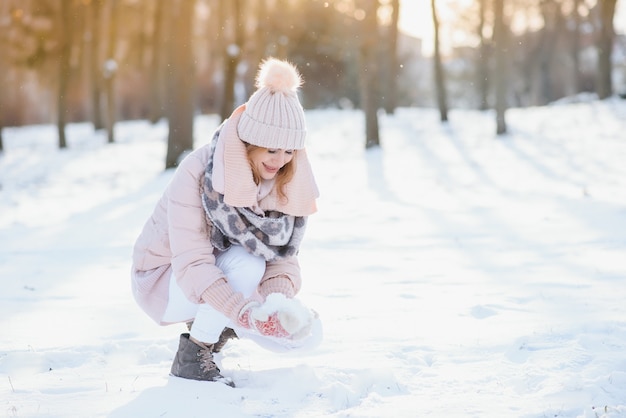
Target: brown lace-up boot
194, 360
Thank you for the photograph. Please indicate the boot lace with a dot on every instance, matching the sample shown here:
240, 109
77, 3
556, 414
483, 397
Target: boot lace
206, 359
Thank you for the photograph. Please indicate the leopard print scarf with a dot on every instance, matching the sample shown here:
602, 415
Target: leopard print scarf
273, 235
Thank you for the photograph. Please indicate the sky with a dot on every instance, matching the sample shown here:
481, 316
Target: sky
416, 19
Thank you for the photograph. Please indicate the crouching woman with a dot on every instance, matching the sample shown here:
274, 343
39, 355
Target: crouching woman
219, 251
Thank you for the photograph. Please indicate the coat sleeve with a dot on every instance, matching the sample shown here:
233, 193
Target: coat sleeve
193, 261
284, 268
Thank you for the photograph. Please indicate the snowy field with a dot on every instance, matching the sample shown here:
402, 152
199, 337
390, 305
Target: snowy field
457, 274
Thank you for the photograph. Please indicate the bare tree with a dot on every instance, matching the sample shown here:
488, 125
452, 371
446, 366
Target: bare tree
369, 75
391, 52
3, 88
109, 71
440, 82
65, 43
280, 24
1, 125
575, 47
605, 47
232, 49
546, 51
500, 42
482, 63
259, 40
95, 63
157, 49
180, 101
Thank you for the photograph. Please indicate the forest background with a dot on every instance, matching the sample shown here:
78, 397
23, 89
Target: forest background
103, 61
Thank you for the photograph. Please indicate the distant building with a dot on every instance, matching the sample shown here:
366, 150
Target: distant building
415, 83
619, 65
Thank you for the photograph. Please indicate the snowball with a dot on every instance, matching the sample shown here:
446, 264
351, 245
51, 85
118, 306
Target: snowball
293, 315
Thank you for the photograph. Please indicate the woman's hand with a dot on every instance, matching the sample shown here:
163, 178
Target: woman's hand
253, 317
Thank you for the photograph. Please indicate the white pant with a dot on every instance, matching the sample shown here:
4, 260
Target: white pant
244, 272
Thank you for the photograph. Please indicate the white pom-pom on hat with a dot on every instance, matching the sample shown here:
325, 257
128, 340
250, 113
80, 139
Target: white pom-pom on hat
273, 116
278, 76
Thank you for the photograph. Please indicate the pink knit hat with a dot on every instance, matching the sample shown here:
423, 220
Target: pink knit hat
274, 117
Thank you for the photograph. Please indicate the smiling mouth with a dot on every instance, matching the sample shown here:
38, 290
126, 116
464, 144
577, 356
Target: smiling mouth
270, 169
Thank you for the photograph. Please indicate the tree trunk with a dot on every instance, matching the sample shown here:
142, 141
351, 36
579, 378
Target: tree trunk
553, 24
575, 50
110, 70
156, 68
82, 29
3, 87
369, 77
500, 42
96, 66
605, 48
391, 96
181, 84
482, 65
440, 82
231, 54
260, 33
64, 69
281, 23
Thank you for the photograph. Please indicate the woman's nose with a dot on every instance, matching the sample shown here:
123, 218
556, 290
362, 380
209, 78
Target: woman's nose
279, 159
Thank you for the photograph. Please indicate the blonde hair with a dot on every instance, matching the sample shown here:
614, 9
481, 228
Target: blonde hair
284, 175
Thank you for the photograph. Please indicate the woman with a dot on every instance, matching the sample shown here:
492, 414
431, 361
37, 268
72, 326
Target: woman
220, 249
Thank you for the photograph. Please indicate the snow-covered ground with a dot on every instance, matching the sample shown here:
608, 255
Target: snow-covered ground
457, 274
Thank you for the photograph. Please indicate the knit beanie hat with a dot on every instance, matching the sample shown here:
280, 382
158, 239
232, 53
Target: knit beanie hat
273, 117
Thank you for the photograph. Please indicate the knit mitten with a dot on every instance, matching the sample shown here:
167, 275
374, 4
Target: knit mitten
278, 284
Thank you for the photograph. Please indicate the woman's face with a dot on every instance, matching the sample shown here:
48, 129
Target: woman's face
267, 161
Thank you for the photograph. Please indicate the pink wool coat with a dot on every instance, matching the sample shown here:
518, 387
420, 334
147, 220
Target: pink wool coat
175, 241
